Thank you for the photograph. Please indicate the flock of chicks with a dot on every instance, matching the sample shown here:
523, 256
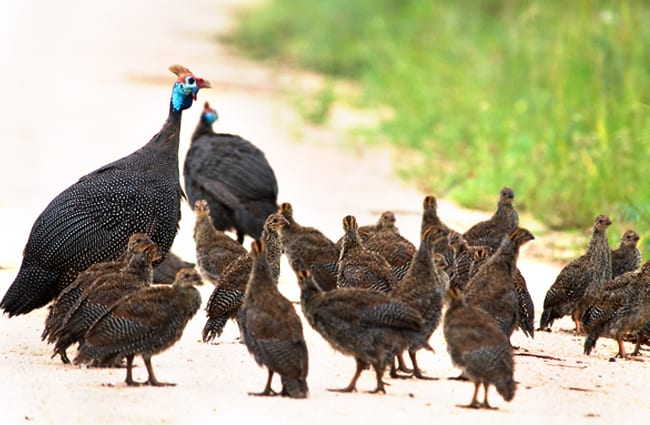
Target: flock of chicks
372, 295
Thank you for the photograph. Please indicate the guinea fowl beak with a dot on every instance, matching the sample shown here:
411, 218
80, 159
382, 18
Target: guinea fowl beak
203, 84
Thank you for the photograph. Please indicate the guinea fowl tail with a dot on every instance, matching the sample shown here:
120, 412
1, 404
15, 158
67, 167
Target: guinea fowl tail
213, 328
294, 388
590, 341
33, 287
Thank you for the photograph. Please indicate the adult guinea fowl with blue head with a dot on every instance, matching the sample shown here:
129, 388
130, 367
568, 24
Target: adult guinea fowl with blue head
233, 176
92, 220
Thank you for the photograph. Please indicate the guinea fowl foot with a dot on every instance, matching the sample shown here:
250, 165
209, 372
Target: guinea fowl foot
266, 393
64, 357
419, 375
460, 377
348, 389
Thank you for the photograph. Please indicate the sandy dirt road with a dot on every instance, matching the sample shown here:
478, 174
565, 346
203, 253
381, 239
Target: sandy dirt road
86, 83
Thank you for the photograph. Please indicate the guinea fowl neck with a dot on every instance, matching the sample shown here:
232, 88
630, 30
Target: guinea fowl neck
203, 128
165, 144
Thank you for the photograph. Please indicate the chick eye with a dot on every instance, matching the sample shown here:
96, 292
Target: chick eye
190, 80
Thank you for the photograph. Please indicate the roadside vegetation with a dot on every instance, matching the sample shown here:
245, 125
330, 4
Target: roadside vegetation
550, 97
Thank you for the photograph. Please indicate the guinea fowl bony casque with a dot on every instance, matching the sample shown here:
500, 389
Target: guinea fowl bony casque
272, 330
580, 282
623, 308
358, 267
92, 220
214, 249
104, 291
226, 298
308, 247
504, 220
145, 322
370, 326
232, 175
626, 257
423, 288
493, 289
477, 345
68, 298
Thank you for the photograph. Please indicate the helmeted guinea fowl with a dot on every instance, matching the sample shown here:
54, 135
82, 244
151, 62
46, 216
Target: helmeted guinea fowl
214, 249
92, 220
145, 322
492, 287
104, 291
395, 248
272, 330
477, 345
226, 298
68, 298
580, 281
622, 308
232, 175
423, 288
370, 326
626, 257
358, 267
504, 220
308, 247
166, 271
386, 222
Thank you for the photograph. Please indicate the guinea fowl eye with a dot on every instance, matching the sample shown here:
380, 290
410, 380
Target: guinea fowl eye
190, 80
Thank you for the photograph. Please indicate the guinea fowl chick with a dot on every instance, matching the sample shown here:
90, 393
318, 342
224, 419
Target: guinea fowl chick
68, 298
308, 246
395, 248
503, 221
492, 287
386, 223
477, 345
232, 175
214, 249
166, 271
272, 330
359, 267
626, 257
623, 308
525, 303
370, 326
430, 218
145, 322
423, 288
580, 281
466, 260
104, 291
92, 220
226, 298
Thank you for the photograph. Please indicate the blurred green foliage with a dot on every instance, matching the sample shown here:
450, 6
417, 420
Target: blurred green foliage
551, 98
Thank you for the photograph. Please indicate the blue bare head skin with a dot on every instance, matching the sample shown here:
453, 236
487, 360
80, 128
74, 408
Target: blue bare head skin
184, 92
209, 115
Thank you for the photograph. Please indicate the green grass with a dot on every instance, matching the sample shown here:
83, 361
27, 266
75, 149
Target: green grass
549, 97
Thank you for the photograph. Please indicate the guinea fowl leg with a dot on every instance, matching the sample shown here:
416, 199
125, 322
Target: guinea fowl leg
485, 403
417, 372
129, 374
268, 391
353, 383
474, 404
621, 349
152, 377
379, 373
64, 357
637, 345
400, 367
576, 320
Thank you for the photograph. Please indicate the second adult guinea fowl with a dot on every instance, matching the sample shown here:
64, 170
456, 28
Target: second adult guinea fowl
226, 299
233, 176
272, 330
91, 221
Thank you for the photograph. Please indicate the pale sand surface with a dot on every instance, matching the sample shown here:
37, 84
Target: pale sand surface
86, 83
